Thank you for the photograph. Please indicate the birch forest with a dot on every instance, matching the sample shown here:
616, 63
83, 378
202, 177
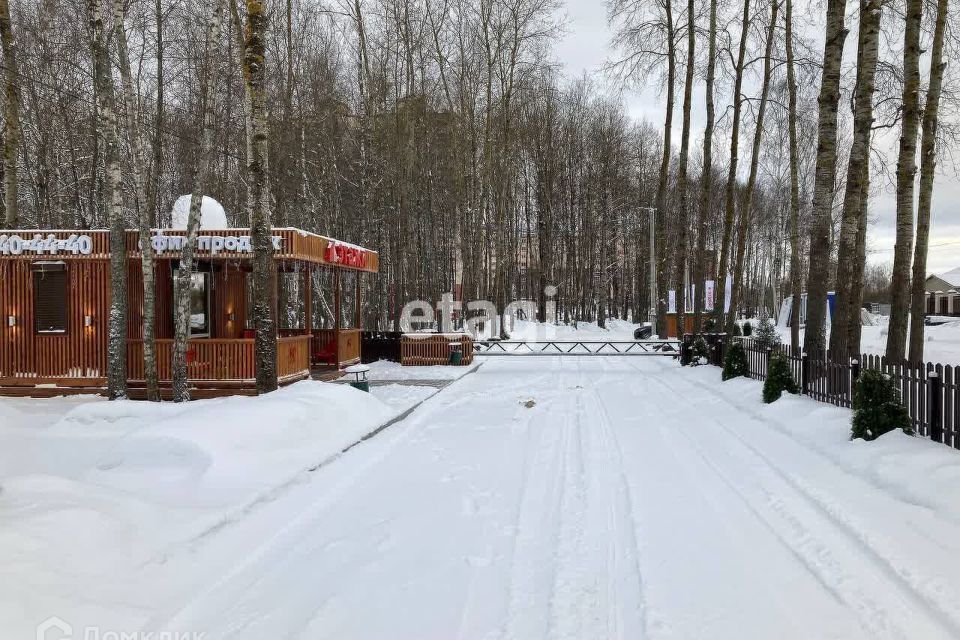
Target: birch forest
446, 135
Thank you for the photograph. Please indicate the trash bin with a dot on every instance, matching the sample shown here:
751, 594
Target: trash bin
359, 371
456, 353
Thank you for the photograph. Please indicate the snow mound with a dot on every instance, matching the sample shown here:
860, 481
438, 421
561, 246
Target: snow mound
212, 213
96, 497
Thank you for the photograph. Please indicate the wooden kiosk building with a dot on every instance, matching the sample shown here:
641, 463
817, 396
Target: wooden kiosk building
55, 306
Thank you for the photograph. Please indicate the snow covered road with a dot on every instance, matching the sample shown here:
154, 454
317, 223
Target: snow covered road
630, 499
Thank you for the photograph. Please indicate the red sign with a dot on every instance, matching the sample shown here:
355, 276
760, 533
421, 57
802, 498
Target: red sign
346, 255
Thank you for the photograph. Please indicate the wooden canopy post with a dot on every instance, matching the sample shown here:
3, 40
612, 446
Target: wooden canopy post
308, 300
336, 302
358, 311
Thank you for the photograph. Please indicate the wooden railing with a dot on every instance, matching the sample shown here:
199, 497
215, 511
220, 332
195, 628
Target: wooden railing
293, 357
222, 360
345, 351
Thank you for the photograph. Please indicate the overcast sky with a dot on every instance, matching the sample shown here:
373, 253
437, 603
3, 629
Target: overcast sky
585, 48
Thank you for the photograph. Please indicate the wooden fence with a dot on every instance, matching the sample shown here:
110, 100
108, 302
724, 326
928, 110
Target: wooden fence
222, 360
336, 349
434, 349
930, 392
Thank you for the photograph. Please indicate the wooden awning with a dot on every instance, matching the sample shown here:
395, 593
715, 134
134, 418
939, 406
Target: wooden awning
220, 244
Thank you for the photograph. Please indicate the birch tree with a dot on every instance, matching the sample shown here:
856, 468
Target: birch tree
814, 339
142, 204
156, 174
258, 198
11, 132
906, 179
680, 268
663, 183
746, 208
181, 383
113, 199
847, 307
792, 116
730, 197
706, 179
928, 164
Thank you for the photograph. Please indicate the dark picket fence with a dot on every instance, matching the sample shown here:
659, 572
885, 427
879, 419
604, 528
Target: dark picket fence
380, 345
930, 392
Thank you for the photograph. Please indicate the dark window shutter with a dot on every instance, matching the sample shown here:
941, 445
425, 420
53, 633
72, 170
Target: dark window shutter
50, 297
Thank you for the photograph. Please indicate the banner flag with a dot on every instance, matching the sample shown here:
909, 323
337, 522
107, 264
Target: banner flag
709, 295
672, 302
727, 294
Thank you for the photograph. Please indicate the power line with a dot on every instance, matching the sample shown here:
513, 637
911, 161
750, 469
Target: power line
932, 246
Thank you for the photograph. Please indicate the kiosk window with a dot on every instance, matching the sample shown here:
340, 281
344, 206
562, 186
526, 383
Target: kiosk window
50, 297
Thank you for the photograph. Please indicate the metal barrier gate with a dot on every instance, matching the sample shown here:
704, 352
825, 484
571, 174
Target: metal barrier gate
580, 348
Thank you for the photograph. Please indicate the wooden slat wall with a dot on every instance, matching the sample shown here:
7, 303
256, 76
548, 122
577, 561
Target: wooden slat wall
348, 346
80, 353
348, 349
212, 359
223, 360
293, 357
688, 320
434, 350
229, 295
163, 303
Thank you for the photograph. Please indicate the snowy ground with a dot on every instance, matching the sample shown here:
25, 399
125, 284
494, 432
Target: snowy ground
96, 496
394, 371
537, 498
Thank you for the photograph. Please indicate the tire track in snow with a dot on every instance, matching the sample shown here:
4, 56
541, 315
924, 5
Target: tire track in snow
568, 594
575, 569
629, 608
474, 598
534, 564
261, 570
935, 594
833, 570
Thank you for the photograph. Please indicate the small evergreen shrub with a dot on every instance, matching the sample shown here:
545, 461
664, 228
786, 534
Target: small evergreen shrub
747, 329
709, 325
701, 351
766, 336
876, 407
779, 379
736, 329
735, 362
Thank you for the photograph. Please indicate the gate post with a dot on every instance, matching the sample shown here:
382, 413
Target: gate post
854, 376
804, 373
686, 349
935, 406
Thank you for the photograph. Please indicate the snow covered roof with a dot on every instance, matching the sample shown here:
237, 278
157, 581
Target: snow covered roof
951, 277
